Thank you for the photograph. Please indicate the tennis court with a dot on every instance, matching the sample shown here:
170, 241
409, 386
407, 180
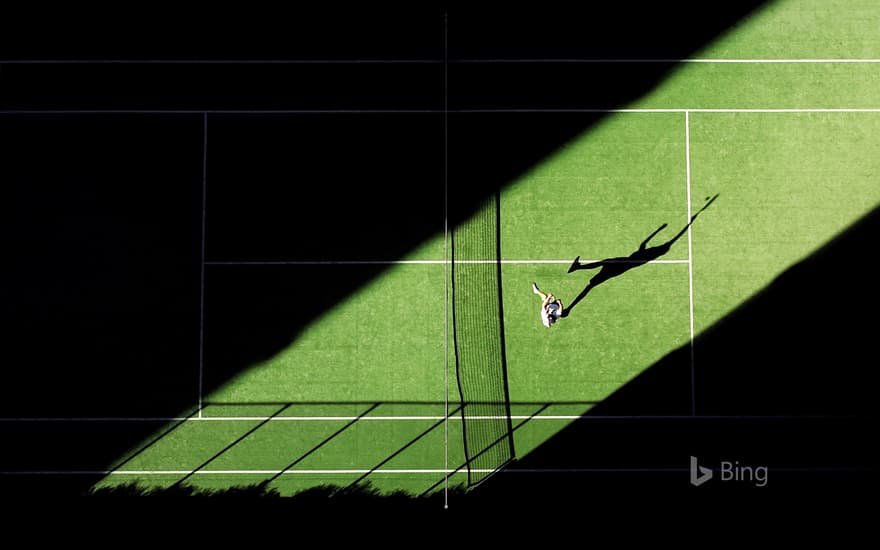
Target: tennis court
262, 343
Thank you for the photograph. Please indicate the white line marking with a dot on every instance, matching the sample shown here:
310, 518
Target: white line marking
433, 418
446, 256
587, 61
687, 148
780, 110
387, 418
673, 110
350, 471
420, 262
781, 61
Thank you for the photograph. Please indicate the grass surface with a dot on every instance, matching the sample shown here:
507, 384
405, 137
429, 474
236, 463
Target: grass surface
787, 184
360, 390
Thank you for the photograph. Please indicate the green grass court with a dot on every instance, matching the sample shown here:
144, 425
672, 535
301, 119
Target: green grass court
778, 202
792, 149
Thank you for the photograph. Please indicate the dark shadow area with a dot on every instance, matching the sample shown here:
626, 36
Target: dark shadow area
236, 34
182, 490
97, 288
415, 85
615, 267
103, 230
787, 380
360, 498
341, 35
100, 282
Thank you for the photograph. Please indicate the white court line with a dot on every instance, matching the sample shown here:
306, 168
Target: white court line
109, 419
446, 256
677, 110
587, 61
235, 472
285, 418
387, 418
779, 110
687, 149
424, 262
461, 471
781, 61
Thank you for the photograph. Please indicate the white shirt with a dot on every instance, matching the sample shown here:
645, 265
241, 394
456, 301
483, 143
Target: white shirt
550, 314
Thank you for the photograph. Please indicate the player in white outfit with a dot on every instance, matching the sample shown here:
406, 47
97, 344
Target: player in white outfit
551, 307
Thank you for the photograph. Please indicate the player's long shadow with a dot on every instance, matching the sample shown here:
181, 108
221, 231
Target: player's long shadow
615, 267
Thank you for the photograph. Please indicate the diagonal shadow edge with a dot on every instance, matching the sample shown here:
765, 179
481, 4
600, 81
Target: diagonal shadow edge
482, 160
526, 155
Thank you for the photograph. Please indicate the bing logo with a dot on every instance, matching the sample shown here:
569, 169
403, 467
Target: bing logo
728, 471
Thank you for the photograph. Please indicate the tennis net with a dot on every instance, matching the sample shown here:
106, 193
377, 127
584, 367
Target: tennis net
478, 334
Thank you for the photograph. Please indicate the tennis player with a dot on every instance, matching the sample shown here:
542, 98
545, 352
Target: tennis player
551, 307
